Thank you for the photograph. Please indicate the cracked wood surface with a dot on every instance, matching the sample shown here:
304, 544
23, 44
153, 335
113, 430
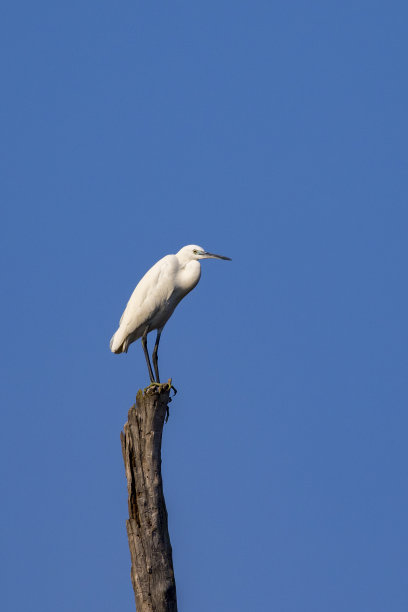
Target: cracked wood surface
149, 542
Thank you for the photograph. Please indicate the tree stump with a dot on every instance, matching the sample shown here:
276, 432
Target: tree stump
149, 542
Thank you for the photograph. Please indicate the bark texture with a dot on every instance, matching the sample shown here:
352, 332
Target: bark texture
149, 542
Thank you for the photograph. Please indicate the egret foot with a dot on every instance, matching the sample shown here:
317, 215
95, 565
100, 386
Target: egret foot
155, 386
171, 387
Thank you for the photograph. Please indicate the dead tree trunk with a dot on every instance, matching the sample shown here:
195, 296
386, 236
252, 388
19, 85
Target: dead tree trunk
149, 542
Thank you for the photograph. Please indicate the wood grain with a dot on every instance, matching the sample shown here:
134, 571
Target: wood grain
149, 542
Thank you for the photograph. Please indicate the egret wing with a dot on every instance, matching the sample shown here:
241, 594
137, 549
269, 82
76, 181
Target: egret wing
150, 295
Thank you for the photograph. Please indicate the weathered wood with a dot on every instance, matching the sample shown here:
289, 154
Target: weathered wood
149, 542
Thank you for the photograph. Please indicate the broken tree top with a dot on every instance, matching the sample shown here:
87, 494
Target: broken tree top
147, 527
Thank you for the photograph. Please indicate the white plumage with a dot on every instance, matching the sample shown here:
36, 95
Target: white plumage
155, 297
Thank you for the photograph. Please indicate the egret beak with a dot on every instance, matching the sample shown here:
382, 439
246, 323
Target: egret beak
213, 256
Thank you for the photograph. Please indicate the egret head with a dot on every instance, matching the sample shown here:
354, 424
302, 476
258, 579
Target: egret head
194, 252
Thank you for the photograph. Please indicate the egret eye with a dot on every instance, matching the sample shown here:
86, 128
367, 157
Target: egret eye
195, 251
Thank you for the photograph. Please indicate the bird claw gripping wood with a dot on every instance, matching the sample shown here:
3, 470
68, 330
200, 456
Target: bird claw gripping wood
171, 387
159, 387
155, 387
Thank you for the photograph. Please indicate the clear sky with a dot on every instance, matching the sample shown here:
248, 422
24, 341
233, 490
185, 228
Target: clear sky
271, 132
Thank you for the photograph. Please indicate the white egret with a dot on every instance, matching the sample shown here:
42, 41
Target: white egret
153, 301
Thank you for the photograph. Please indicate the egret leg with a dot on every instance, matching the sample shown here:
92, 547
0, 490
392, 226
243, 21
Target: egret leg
154, 355
146, 352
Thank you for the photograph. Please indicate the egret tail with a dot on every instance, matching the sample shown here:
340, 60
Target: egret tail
118, 344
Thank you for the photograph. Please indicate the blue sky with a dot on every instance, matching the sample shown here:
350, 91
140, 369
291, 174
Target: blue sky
276, 134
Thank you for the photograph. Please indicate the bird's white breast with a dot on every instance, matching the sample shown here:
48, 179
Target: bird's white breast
188, 277
185, 279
